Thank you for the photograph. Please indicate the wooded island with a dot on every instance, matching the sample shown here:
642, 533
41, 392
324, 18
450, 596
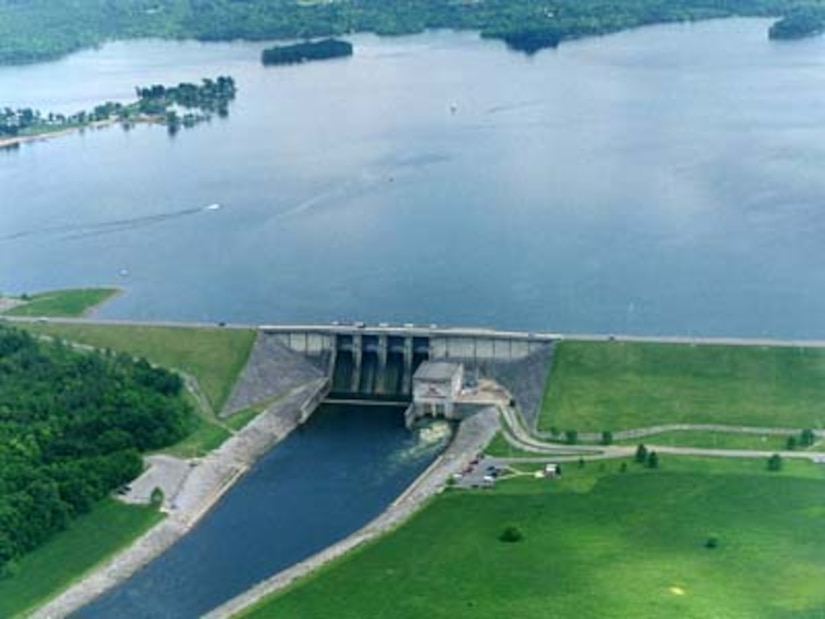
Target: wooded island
306, 51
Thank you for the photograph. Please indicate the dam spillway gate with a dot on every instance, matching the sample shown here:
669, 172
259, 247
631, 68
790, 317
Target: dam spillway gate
367, 363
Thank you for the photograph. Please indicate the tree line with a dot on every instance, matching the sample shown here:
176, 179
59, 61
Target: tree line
210, 95
72, 427
157, 102
26, 121
34, 31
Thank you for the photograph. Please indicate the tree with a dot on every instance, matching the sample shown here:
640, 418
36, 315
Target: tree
157, 496
790, 444
653, 460
71, 425
511, 534
641, 454
607, 437
775, 463
571, 437
807, 438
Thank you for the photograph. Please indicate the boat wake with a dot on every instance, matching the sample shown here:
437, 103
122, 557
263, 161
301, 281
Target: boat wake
374, 178
84, 230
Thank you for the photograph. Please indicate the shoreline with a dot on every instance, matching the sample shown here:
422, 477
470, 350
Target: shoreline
10, 304
13, 142
116, 291
24, 139
207, 481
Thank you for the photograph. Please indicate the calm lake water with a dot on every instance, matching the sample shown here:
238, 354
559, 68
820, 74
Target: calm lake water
664, 180
324, 481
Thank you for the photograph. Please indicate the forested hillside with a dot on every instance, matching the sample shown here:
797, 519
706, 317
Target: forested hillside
72, 426
32, 30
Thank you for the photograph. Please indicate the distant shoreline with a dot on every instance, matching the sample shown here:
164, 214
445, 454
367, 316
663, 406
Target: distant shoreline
63, 303
59, 133
62, 132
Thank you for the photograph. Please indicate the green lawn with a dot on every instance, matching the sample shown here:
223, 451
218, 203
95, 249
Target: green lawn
499, 447
206, 436
90, 540
215, 356
597, 386
597, 545
715, 440
209, 433
239, 420
67, 303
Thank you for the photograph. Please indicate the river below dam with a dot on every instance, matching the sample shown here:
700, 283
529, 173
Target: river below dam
324, 481
666, 180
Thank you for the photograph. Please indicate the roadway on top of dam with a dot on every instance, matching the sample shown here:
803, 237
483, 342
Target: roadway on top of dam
432, 330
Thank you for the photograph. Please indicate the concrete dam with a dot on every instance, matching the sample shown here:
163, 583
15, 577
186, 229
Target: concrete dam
378, 363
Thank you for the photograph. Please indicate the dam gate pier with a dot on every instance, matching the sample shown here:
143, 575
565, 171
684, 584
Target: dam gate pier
432, 371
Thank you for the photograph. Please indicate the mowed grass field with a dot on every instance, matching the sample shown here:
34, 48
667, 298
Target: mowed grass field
68, 303
720, 440
90, 540
597, 386
600, 544
214, 356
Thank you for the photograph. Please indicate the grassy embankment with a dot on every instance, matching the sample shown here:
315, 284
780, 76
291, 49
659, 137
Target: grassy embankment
721, 440
89, 541
598, 544
213, 356
67, 303
597, 386
500, 448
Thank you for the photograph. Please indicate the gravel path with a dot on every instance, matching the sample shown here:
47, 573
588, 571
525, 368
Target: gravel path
516, 435
204, 485
702, 427
472, 436
7, 303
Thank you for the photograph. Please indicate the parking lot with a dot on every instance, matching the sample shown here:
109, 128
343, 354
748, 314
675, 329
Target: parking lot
481, 473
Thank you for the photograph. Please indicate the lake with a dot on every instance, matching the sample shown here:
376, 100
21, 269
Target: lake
666, 180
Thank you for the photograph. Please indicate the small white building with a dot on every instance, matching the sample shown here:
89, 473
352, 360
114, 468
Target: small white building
436, 386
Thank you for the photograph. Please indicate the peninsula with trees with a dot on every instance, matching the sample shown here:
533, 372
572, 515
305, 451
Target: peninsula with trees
306, 51
184, 105
800, 24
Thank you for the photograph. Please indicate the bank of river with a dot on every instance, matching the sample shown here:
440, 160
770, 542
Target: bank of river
329, 477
